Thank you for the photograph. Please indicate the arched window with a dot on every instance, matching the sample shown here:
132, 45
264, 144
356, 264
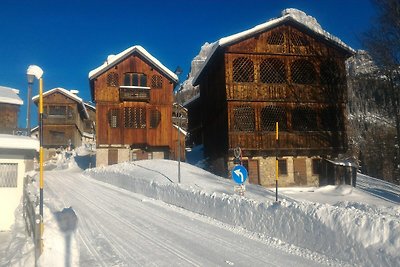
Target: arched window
304, 119
243, 70
272, 114
275, 38
330, 73
243, 119
272, 71
303, 72
113, 118
155, 118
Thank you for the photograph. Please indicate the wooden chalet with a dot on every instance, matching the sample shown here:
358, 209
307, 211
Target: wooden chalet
287, 70
10, 103
133, 93
64, 119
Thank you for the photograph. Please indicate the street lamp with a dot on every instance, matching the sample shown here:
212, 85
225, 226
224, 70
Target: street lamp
28, 111
178, 72
32, 73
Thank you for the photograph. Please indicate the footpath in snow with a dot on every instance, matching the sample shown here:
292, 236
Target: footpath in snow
341, 222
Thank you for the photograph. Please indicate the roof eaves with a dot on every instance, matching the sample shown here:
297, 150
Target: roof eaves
124, 54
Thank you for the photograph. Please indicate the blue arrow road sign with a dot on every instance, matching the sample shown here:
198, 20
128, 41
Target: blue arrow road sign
239, 174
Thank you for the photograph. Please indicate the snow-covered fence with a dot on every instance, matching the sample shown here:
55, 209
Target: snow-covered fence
30, 214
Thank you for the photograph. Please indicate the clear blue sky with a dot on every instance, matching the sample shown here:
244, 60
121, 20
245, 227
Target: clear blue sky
67, 39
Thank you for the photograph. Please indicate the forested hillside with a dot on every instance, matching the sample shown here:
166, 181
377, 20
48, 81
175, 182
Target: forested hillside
371, 124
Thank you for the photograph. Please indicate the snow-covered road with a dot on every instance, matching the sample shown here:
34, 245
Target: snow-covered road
119, 228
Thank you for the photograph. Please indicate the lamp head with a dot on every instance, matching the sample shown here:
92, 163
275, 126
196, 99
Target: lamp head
34, 71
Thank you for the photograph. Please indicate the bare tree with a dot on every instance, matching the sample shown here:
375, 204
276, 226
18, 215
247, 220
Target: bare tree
383, 43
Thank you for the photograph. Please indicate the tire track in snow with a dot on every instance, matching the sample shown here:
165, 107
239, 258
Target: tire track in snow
95, 206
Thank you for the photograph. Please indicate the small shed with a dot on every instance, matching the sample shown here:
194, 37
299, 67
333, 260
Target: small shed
17, 155
338, 172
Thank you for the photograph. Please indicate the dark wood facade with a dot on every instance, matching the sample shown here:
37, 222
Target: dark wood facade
8, 118
64, 116
9, 109
134, 97
286, 74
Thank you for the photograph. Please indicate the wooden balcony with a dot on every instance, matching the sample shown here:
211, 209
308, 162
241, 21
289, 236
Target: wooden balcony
289, 141
134, 93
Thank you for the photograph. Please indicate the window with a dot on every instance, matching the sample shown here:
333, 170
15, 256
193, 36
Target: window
8, 174
135, 117
304, 119
303, 72
272, 71
243, 70
298, 40
57, 137
243, 119
113, 120
112, 79
329, 119
60, 111
275, 38
282, 167
330, 73
272, 114
135, 79
156, 81
155, 118
316, 166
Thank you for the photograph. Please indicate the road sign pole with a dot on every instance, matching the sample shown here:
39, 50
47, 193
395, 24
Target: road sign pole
276, 161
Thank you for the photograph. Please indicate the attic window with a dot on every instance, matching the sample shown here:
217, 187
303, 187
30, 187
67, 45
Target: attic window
304, 119
243, 70
113, 120
298, 40
272, 114
112, 79
135, 79
272, 71
156, 81
303, 72
243, 119
275, 38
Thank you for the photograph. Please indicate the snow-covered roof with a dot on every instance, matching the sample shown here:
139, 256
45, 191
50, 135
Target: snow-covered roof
10, 95
180, 129
71, 94
8, 141
112, 60
194, 98
289, 14
90, 106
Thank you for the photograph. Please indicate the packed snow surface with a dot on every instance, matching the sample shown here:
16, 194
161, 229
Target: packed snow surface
331, 225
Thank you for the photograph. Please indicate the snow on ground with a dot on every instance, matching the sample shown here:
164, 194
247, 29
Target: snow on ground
357, 226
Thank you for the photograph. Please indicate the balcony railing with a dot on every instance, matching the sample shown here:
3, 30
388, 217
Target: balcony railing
134, 93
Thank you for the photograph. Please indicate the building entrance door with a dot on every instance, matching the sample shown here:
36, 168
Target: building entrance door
300, 171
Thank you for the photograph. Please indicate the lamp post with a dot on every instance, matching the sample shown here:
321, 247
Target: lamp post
178, 72
28, 111
32, 72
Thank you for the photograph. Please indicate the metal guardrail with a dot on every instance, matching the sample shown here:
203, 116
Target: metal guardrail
31, 217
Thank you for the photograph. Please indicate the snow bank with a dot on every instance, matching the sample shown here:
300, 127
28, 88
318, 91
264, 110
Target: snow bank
353, 232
